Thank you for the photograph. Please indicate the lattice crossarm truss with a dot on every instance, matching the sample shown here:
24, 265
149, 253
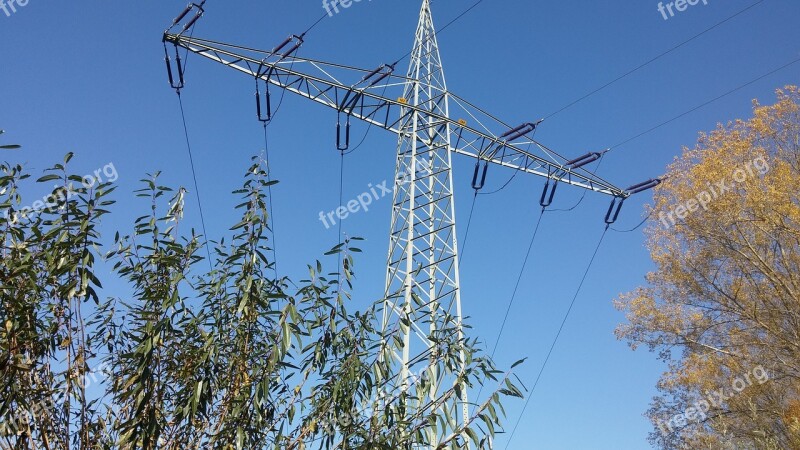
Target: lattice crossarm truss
320, 82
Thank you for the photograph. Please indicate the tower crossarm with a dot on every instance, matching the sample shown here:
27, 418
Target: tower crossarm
489, 140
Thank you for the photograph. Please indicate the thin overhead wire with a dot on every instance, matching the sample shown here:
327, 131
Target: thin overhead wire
274, 245
341, 200
472, 208
583, 195
719, 97
191, 160
558, 335
283, 95
466, 233
369, 126
194, 177
519, 280
514, 293
652, 60
440, 30
634, 228
308, 30
505, 185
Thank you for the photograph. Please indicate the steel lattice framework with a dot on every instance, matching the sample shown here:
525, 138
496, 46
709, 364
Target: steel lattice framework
423, 299
422, 319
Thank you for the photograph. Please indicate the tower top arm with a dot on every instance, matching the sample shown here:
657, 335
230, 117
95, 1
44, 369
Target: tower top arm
377, 97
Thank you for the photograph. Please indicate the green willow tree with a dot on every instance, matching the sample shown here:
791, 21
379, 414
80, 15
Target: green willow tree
229, 357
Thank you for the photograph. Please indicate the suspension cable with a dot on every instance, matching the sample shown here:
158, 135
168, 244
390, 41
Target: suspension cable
583, 195
265, 157
341, 200
519, 280
558, 335
178, 87
369, 126
466, 232
636, 227
736, 89
514, 293
652, 60
194, 177
323, 18
475, 198
436, 33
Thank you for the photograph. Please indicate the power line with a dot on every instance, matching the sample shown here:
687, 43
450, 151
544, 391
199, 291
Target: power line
736, 89
652, 60
178, 88
440, 30
194, 177
514, 293
580, 200
318, 22
558, 335
634, 228
466, 233
519, 280
271, 208
341, 200
475, 198
505, 185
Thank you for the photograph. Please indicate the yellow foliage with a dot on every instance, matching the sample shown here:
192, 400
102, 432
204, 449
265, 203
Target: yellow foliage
725, 295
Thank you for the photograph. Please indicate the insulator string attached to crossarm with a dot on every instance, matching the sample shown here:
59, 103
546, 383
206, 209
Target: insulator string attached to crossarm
369, 127
178, 86
583, 195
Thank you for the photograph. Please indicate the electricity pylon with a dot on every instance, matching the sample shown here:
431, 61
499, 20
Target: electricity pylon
423, 298
422, 318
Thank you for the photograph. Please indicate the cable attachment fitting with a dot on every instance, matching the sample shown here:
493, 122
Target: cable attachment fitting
189, 8
342, 141
613, 210
643, 186
548, 193
616, 203
267, 104
516, 133
289, 46
378, 75
479, 177
583, 160
179, 83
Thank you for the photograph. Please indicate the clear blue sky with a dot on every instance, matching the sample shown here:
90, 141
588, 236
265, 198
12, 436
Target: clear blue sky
88, 77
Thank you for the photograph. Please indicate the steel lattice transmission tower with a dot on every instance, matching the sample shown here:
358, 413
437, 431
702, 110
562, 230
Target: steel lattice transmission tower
423, 306
422, 319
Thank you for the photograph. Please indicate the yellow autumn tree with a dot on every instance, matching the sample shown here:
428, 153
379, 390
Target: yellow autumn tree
722, 306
